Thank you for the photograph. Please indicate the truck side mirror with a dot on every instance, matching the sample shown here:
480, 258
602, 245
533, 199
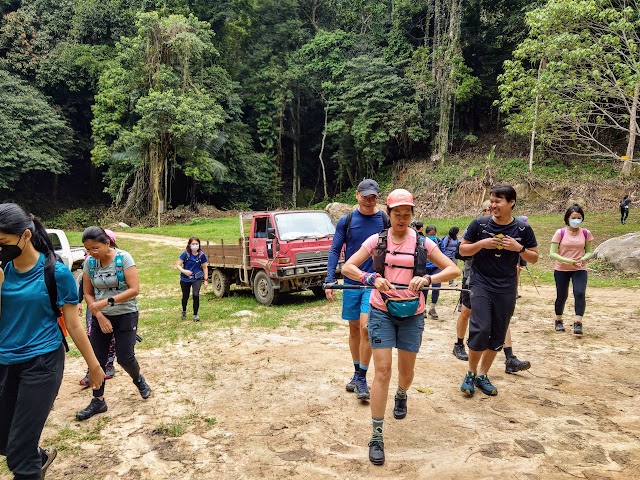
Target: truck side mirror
269, 248
271, 233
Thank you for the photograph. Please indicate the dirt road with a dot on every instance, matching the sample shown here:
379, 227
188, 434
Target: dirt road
249, 403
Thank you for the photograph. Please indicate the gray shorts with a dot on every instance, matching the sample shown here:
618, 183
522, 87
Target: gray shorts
386, 331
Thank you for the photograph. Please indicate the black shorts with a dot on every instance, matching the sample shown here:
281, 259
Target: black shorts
491, 313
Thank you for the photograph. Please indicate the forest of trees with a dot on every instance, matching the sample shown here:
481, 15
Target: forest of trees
152, 104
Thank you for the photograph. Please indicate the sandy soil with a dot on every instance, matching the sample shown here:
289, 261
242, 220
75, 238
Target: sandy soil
249, 403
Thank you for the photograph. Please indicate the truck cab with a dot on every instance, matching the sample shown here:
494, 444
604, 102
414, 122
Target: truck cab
72, 257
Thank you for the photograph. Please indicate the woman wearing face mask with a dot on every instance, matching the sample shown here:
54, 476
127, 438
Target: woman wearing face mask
111, 285
571, 247
194, 271
432, 269
31, 343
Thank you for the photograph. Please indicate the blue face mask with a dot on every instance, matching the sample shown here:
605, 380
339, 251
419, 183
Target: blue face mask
434, 238
575, 222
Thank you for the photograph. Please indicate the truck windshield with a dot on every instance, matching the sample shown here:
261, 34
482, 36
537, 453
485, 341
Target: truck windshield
292, 226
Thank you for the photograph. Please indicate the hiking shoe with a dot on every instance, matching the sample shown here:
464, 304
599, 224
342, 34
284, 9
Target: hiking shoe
513, 365
196, 318
452, 283
96, 406
400, 408
361, 389
143, 387
109, 371
184, 315
376, 452
577, 329
432, 313
48, 456
85, 381
559, 326
351, 386
484, 384
468, 384
459, 352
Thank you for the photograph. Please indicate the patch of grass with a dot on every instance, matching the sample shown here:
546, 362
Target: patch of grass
173, 429
69, 437
327, 326
213, 230
3, 466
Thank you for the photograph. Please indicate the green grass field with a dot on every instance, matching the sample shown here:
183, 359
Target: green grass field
160, 292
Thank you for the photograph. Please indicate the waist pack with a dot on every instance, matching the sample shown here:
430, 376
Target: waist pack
401, 307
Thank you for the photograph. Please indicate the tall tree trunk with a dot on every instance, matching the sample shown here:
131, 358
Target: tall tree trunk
324, 138
543, 63
633, 131
294, 155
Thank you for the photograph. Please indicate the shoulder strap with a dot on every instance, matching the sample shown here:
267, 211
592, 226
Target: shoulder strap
119, 268
52, 290
347, 225
386, 221
93, 267
585, 232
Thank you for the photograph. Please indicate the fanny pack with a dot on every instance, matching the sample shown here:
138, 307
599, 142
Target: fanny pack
199, 275
401, 307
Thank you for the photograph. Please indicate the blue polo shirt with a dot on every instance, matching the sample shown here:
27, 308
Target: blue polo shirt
28, 326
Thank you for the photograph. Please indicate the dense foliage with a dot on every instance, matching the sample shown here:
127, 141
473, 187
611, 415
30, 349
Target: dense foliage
153, 104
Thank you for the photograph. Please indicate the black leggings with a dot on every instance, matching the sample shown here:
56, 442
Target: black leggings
27, 392
624, 213
125, 327
186, 289
579, 280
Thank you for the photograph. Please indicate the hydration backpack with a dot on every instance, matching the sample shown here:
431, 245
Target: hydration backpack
563, 230
93, 268
380, 256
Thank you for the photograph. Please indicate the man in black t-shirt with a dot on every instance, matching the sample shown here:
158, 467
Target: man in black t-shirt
496, 242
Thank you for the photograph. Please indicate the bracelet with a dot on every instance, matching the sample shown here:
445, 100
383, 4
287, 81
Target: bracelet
369, 278
427, 277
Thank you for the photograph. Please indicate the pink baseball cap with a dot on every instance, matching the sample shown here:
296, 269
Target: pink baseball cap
110, 234
398, 197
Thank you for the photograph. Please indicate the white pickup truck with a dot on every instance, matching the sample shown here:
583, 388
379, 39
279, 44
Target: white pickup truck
72, 257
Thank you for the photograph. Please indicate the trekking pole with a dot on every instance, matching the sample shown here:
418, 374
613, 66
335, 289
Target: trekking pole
337, 286
532, 280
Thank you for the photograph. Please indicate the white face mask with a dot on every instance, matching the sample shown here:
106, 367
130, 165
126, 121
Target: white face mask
575, 222
195, 248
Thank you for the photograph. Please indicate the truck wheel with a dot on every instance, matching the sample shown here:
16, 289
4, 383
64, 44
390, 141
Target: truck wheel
264, 290
220, 283
319, 293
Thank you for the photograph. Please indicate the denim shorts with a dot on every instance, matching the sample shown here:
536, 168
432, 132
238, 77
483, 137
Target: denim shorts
386, 331
355, 302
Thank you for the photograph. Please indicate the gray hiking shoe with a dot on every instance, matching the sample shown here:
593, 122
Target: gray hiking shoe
351, 386
513, 365
362, 390
459, 352
48, 456
432, 313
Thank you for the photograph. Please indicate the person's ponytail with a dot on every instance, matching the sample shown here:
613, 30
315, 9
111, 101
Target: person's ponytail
41, 241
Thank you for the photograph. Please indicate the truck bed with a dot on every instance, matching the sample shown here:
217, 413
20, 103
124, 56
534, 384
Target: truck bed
225, 255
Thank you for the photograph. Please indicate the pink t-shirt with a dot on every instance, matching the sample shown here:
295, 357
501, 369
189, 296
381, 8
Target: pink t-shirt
399, 276
572, 246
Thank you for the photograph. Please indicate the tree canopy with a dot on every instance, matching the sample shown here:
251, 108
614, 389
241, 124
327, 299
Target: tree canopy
256, 104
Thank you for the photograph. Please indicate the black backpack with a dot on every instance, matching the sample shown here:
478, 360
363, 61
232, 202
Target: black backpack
380, 256
52, 288
386, 223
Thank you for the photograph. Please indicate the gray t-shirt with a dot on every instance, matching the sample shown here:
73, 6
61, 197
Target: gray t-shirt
105, 284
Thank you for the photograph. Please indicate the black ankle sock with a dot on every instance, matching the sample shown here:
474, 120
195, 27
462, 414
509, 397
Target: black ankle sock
460, 341
508, 352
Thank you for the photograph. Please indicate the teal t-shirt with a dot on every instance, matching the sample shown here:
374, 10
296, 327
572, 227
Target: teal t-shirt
28, 326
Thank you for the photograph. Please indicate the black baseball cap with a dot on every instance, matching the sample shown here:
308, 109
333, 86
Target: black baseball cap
368, 187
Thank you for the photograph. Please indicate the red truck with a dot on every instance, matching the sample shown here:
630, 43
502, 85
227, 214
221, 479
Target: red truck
278, 252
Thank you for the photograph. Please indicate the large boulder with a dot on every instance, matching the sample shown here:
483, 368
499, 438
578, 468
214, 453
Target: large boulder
337, 210
622, 252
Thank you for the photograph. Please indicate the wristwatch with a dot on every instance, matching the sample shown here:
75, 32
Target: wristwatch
111, 301
427, 277
522, 249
